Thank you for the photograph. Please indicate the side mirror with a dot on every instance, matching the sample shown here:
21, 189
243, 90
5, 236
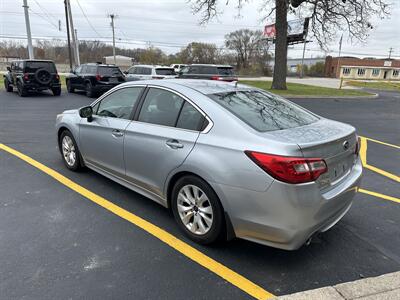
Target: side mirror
86, 112
8, 69
126, 72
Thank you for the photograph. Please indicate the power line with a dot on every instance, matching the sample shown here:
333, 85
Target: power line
40, 16
87, 19
45, 11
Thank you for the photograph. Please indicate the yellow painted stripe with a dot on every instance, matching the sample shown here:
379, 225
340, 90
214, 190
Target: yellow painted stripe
383, 172
363, 150
375, 194
383, 143
207, 262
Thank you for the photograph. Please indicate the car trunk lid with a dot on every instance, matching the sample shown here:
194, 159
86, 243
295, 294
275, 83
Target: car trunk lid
330, 140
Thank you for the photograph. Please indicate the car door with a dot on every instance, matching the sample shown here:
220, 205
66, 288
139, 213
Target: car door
74, 77
102, 138
154, 145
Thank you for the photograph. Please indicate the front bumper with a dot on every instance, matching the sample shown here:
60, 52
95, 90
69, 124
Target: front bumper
287, 215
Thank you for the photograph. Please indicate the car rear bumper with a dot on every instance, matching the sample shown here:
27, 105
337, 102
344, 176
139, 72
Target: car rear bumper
40, 87
287, 215
104, 87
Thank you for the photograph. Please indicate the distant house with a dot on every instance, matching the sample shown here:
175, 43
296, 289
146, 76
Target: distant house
368, 68
292, 63
121, 61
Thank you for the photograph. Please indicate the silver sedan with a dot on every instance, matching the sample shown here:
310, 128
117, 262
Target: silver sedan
229, 160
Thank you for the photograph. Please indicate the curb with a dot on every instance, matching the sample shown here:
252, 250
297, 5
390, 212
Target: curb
384, 287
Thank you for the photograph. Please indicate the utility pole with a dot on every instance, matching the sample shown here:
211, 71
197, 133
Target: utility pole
71, 24
112, 16
78, 61
28, 29
68, 38
390, 52
340, 52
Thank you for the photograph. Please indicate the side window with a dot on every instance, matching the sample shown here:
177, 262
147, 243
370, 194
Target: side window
132, 70
161, 107
147, 71
83, 70
193, 70
21, 66
78, 70
190, 118
119, 104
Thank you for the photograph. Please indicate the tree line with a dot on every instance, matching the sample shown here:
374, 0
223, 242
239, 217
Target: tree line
245, 49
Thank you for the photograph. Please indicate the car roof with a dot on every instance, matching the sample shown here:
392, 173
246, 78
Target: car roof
211, 65
153, 66
100, 65
29, 60
203, 86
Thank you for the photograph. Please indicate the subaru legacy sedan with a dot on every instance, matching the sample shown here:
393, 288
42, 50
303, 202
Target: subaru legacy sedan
227, 159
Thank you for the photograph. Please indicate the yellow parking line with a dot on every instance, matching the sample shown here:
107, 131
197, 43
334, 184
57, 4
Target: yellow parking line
375, 194
207, 262
383, 143
363, 156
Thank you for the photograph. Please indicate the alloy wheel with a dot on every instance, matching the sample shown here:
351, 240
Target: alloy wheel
194, 209
68, 150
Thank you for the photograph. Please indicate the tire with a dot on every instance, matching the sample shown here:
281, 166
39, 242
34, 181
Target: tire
22, 92
69, 151
7, 86
56, 91
201, 231
70, 89
89, 90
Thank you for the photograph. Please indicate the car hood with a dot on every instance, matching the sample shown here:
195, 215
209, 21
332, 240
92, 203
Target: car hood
70, 111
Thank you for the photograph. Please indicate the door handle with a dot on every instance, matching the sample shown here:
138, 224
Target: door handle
174, 144
117, 133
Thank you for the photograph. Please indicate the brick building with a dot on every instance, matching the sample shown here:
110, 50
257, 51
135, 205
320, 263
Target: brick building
362, 68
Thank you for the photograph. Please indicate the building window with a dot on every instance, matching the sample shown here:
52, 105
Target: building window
375, 72
346, 71
361, 72
396, 73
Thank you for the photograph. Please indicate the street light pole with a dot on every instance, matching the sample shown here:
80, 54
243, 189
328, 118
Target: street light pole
68, 37
112, 16
71, 25
28, 29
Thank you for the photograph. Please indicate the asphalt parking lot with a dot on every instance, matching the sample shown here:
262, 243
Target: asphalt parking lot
55, 243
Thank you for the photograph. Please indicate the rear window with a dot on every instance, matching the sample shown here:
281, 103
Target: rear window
208, 70
262, 111
226, 71
165, 71
109, 71
33, 66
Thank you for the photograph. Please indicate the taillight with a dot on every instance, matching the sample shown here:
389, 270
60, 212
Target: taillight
289, 169
358, 146
216, 78
99, 77
26, 76
57, 77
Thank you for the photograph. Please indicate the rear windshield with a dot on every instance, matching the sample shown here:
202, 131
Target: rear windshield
33, 66
226, 71
262, 111
165, 71
109, 71
208, 70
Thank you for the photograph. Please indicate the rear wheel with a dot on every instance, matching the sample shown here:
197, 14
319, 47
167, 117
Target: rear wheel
56, 91
197, 210
7, 86
70, 89
89, 90
70, 152
22, 92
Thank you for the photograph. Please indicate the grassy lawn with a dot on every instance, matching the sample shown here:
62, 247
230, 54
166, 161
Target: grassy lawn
379, 85
297, 89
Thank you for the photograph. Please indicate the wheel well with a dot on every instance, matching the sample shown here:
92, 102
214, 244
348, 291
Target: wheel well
61, 130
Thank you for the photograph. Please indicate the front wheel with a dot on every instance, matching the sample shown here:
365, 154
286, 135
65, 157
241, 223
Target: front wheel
70, 89
7, 86
89, 90
70, 152
56, 91
197, 210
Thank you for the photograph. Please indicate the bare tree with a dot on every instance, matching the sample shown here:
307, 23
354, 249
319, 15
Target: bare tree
199, 53
327, 18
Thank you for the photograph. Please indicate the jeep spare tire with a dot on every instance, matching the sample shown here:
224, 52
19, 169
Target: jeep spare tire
43, 76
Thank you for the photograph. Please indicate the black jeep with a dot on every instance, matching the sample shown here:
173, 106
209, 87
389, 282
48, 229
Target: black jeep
32, 75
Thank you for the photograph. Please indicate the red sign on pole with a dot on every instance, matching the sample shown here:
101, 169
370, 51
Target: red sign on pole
269, 31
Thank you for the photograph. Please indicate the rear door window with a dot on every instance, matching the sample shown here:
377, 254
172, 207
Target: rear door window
161, 107
190, 118
262, 111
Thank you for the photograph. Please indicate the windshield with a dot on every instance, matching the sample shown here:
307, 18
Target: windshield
33, 66
262, 111
165, 71
109, 71
226, 71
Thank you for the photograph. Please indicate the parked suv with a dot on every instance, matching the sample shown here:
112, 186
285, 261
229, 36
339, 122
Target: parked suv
211, 72
32, 75
178, 67
94, 78
145, 72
